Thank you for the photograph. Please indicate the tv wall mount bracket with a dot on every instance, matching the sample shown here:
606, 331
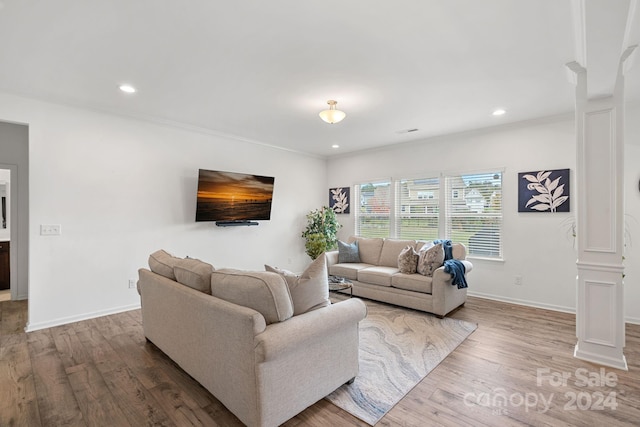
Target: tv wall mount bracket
235, 223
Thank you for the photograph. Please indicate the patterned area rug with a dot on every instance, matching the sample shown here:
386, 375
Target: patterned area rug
398, 348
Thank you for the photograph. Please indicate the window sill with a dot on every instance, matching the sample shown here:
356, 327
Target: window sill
481, 258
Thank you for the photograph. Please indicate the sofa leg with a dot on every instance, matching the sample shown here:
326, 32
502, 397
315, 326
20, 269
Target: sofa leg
350, 381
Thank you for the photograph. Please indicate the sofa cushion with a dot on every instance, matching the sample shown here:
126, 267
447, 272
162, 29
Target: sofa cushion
369, 249
162, 262
377, 275
391, 248
194, 273
347, 270
430, 259
408, 260
348, 252
310, 290
412, 282
264, 291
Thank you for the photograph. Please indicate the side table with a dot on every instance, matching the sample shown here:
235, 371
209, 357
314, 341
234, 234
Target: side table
339, 284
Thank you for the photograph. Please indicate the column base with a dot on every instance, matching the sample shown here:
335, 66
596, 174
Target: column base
618, 362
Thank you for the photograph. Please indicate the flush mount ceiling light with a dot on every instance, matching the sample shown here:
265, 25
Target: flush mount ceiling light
332, 115
499, 112
127, 88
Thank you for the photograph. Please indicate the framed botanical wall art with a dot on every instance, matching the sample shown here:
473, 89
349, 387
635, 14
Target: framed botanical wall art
544, 191
339, 200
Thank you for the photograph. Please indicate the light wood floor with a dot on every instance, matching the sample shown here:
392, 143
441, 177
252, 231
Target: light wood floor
102, 372
5, 295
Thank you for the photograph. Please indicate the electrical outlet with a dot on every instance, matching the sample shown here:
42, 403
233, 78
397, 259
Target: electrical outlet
50, 229
132, 283
518, 281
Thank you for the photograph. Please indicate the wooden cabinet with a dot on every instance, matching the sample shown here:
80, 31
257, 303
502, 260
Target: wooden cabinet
5, 280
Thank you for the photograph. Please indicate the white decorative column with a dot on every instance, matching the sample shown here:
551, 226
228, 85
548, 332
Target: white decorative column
600, 325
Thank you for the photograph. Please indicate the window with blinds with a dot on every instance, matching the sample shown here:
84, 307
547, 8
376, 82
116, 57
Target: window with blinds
465, 208
373, 216
473, 206
417, 208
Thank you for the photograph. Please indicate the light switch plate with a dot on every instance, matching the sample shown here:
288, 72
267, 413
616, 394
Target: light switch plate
50, 229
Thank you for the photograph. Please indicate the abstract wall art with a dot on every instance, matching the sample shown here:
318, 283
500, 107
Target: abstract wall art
339, 200
544, 191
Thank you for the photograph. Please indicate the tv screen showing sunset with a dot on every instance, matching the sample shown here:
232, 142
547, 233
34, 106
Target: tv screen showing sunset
230, 196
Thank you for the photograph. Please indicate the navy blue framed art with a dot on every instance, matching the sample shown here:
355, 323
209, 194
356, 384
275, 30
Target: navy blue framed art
544, 191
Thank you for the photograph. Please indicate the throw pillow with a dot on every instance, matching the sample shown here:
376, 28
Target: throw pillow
348, 252
310, 290
162, 262
408, 260
263, 291
430, 260
194, 273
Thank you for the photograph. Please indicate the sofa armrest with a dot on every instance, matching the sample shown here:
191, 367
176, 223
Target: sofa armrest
332, 258
298, 331
468, 266
441, 277
447, 296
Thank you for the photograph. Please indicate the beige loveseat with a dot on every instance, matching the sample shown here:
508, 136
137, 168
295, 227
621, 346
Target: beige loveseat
262, 362
378, 277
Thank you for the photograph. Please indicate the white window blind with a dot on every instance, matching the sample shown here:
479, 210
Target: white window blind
417, 208
374, 209
474, 212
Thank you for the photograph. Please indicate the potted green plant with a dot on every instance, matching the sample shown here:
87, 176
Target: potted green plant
321, 232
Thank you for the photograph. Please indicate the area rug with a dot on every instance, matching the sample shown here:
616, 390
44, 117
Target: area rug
398, 348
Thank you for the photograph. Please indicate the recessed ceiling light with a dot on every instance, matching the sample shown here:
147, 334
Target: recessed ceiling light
335, 146
499, 112
127, 88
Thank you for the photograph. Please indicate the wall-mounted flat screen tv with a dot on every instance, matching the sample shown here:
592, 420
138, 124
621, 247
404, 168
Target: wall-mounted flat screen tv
230, 196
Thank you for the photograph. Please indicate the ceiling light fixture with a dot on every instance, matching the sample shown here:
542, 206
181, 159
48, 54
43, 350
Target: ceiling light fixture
332, 115
127, 88
499, 112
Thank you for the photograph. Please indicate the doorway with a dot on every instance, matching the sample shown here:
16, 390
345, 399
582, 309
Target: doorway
5, 234
14, 171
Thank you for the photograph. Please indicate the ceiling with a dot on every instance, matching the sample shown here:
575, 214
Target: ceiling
262, 71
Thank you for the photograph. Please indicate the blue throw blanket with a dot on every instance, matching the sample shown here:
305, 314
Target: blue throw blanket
456, 269
452, 266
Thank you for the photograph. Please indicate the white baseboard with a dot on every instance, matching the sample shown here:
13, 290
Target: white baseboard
527, 303
64, 320
634, 320
535, 304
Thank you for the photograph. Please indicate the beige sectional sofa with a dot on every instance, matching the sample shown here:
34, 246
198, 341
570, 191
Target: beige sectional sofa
378, 277
245, 345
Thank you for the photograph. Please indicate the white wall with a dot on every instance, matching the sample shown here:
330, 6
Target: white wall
536, 245
122, 188
5, 178
632, 215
